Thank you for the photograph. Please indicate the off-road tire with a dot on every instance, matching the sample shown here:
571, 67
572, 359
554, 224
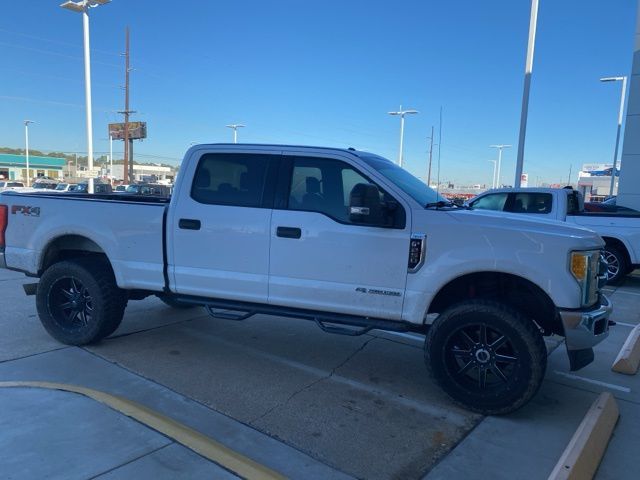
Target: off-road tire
621, 264
95, 278
446, 359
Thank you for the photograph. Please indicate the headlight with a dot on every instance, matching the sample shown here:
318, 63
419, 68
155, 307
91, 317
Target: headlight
584, 267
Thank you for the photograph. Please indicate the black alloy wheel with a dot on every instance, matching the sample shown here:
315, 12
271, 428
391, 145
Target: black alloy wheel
70, 304
78, 300
487, 356
481, 357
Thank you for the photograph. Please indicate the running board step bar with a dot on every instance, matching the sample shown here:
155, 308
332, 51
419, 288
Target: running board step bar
351, 325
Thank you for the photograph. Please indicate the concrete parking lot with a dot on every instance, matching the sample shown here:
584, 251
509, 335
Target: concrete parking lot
299, 401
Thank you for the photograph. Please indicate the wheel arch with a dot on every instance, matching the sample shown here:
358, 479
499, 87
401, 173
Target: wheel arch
512, 290
67, 247
619, 244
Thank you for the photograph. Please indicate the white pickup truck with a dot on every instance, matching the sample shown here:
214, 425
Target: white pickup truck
620, 230
341, 237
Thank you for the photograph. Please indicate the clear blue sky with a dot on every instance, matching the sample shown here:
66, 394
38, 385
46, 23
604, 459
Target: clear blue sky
325, 73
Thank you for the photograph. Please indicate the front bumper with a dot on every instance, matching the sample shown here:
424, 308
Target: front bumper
583, 330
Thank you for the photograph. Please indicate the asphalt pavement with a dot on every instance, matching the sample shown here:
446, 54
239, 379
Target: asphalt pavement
286, 395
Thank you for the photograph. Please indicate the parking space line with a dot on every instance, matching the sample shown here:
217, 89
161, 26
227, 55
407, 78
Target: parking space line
620, 388
630, 325
410, 336
190, 438
626, 292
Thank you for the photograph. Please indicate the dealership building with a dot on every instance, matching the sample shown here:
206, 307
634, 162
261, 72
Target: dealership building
14, 167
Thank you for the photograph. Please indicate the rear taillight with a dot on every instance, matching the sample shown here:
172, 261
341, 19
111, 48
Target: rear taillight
4, 219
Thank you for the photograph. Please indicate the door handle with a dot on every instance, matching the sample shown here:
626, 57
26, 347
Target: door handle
189, 224
288, 232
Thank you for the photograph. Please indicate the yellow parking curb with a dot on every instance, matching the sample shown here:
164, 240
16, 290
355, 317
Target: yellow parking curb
628, 359
192, 439
584, 452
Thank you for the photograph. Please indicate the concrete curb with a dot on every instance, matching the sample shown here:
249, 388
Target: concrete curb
192, 439
583, 454
628, 359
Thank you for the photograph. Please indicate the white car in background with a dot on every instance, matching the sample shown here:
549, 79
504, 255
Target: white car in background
10, 185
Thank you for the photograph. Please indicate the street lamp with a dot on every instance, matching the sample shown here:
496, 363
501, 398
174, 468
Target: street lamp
83, 6
26, 148
528, 71
401, 113
620, 113
493, 179
500, 148
235, 127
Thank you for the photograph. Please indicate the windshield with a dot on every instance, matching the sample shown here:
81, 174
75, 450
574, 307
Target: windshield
61, 186
132, 189
409, 184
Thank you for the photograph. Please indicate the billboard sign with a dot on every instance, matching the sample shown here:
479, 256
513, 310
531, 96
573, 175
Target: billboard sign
524, 180
137, 130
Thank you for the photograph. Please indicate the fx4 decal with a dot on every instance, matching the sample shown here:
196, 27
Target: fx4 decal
27, 211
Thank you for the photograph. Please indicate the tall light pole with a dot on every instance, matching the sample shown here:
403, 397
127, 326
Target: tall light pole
235, 127
26, 148
498, 176
620, 113
493, 180
83, 6
401, 113
528, 70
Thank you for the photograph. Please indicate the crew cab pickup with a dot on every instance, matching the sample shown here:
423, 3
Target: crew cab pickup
344, 238
620, 229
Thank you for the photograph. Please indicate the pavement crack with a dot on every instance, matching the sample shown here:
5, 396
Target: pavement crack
315, 382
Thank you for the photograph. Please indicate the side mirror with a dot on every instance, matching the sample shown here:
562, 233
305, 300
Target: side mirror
365, 206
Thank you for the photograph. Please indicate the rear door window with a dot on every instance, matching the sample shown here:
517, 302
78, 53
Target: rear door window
230, 179
531, 202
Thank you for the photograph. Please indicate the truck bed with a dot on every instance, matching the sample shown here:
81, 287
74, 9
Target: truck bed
129, 229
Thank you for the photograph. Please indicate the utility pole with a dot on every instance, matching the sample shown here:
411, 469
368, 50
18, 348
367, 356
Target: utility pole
128, 162
430, 157
570, 170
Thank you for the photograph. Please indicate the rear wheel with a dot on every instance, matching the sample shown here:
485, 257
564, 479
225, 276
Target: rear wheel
79, 302
486, 356
617, 265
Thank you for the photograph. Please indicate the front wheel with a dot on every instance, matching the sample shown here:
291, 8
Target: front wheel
79, 302
486, 356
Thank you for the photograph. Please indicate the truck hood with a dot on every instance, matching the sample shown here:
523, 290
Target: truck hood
522, 223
